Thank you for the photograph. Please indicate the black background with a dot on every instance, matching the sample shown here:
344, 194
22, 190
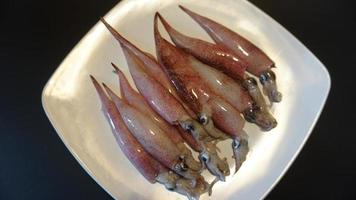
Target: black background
36, 35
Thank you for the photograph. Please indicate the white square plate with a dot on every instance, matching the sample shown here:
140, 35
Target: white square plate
73, 107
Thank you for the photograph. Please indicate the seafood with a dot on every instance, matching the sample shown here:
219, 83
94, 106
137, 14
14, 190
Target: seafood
204, 155
236, 95
259, 64
152, 138
173, 112
196, 93
191, 87
213, 54
152, 66
219, 57
151, 169
226, 87
153, 69
135, 99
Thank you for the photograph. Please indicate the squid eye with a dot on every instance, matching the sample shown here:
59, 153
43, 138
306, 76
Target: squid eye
236, 144
263, 78
267, 76
183, 166
205, 158
251, 81
249, 116
203, 119
170, 188
255, 108
190, 128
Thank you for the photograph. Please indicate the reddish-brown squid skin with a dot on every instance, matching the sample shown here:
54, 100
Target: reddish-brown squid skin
153, 139
258, 62
218, 57
132, 149
212, 54
172, 111
180, 67
151, 169
163, 102
234, 94
136, 100
194, 75
151, 65
189, 83
155, 94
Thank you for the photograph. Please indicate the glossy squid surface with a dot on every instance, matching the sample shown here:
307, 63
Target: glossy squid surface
212, 54
172, 111
151, 169
136, 100
152, 138
218, 57
234, 94
258, 62
179, 66
153, 69
149, 61
196, 93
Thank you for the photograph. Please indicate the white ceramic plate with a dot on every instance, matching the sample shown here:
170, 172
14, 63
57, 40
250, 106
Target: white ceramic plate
74, 109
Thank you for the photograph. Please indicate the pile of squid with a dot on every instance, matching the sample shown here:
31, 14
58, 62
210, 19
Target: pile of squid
194, 95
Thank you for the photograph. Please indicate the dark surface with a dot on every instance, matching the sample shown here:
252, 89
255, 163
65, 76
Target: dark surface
36, 35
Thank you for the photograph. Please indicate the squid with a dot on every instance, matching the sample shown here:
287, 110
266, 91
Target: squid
153, 139
230, 90
136, 100
152, 66
258, 63
151, 169
223, 85
219, 57
192, 89
154, 70
167, 106
236, 95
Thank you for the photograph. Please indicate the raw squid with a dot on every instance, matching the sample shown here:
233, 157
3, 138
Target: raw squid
151, 169
136, 100
230, 90
219, 57
152, 66
259, 64
197, 93
152, 138
173, 112
153, 69
193, 90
